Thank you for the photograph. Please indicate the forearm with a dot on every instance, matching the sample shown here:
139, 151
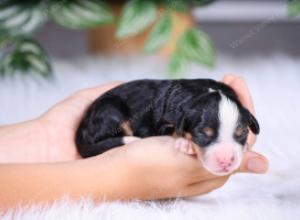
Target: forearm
100, 178
22, 143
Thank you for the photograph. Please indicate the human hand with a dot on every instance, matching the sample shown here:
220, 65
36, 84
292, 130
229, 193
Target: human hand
59, 124
154, 169
150, 168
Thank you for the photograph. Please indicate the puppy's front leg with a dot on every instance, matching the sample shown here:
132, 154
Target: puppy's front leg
185, 146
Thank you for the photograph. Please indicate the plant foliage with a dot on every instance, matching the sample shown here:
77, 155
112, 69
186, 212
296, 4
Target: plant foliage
19, 19
26, 56
194, 46
136, 17
294, 8
160, 34
80, 14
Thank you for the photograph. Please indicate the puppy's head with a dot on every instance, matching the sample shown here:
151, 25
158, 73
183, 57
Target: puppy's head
220, 125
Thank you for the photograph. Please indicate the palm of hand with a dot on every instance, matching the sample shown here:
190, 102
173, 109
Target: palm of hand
60, 123
60, 127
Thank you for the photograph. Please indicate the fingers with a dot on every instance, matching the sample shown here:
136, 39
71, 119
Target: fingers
228, 78
188, 164
254, 163
95, 92
238, 84
186, 156
103, 88
81, 99
204, 186
251, 139
241, 87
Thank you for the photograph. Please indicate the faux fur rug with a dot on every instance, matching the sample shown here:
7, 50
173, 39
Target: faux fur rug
275, 84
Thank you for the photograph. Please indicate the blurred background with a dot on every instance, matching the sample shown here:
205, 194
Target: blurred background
255, 39
257, 26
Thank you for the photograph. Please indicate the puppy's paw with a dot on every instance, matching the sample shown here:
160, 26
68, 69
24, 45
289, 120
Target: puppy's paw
184, 146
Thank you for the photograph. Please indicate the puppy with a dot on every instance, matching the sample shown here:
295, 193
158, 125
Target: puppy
199, 112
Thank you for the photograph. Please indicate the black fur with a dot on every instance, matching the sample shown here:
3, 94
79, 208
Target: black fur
156, 107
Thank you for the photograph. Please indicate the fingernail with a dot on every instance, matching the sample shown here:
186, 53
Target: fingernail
257, 165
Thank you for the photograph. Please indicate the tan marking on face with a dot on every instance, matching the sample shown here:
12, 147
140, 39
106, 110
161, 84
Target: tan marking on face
126, 128
208, 131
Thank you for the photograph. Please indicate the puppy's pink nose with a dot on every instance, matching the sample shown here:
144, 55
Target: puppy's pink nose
225, 162
225, 159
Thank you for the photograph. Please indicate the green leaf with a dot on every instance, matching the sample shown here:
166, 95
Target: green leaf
160, 34
197, 47
2, 42
137, 15
80, 14
26, 56
293, 8
177, 65
178, 5
21, 18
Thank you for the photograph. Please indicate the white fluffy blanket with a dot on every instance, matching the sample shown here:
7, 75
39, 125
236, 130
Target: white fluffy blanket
275, 84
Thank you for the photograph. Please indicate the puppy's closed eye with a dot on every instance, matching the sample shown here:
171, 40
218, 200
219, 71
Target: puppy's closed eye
240, 131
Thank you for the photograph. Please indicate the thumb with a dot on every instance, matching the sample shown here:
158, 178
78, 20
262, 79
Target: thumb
254, 163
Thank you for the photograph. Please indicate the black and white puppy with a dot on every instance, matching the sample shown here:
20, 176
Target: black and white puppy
199, 112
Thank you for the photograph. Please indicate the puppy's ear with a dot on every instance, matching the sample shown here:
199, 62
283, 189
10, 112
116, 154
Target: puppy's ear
253, 123
228, 91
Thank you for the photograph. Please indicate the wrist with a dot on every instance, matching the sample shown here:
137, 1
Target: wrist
113, 176
101, 178
22, 143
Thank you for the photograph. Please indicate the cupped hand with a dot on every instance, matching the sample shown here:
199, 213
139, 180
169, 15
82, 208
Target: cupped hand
59, 124
154, 169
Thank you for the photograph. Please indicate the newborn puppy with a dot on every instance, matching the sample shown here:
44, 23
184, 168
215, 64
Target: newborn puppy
204, 115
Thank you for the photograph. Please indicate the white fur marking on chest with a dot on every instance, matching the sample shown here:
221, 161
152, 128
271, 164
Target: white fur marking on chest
211, 90
129, 139
228, 117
